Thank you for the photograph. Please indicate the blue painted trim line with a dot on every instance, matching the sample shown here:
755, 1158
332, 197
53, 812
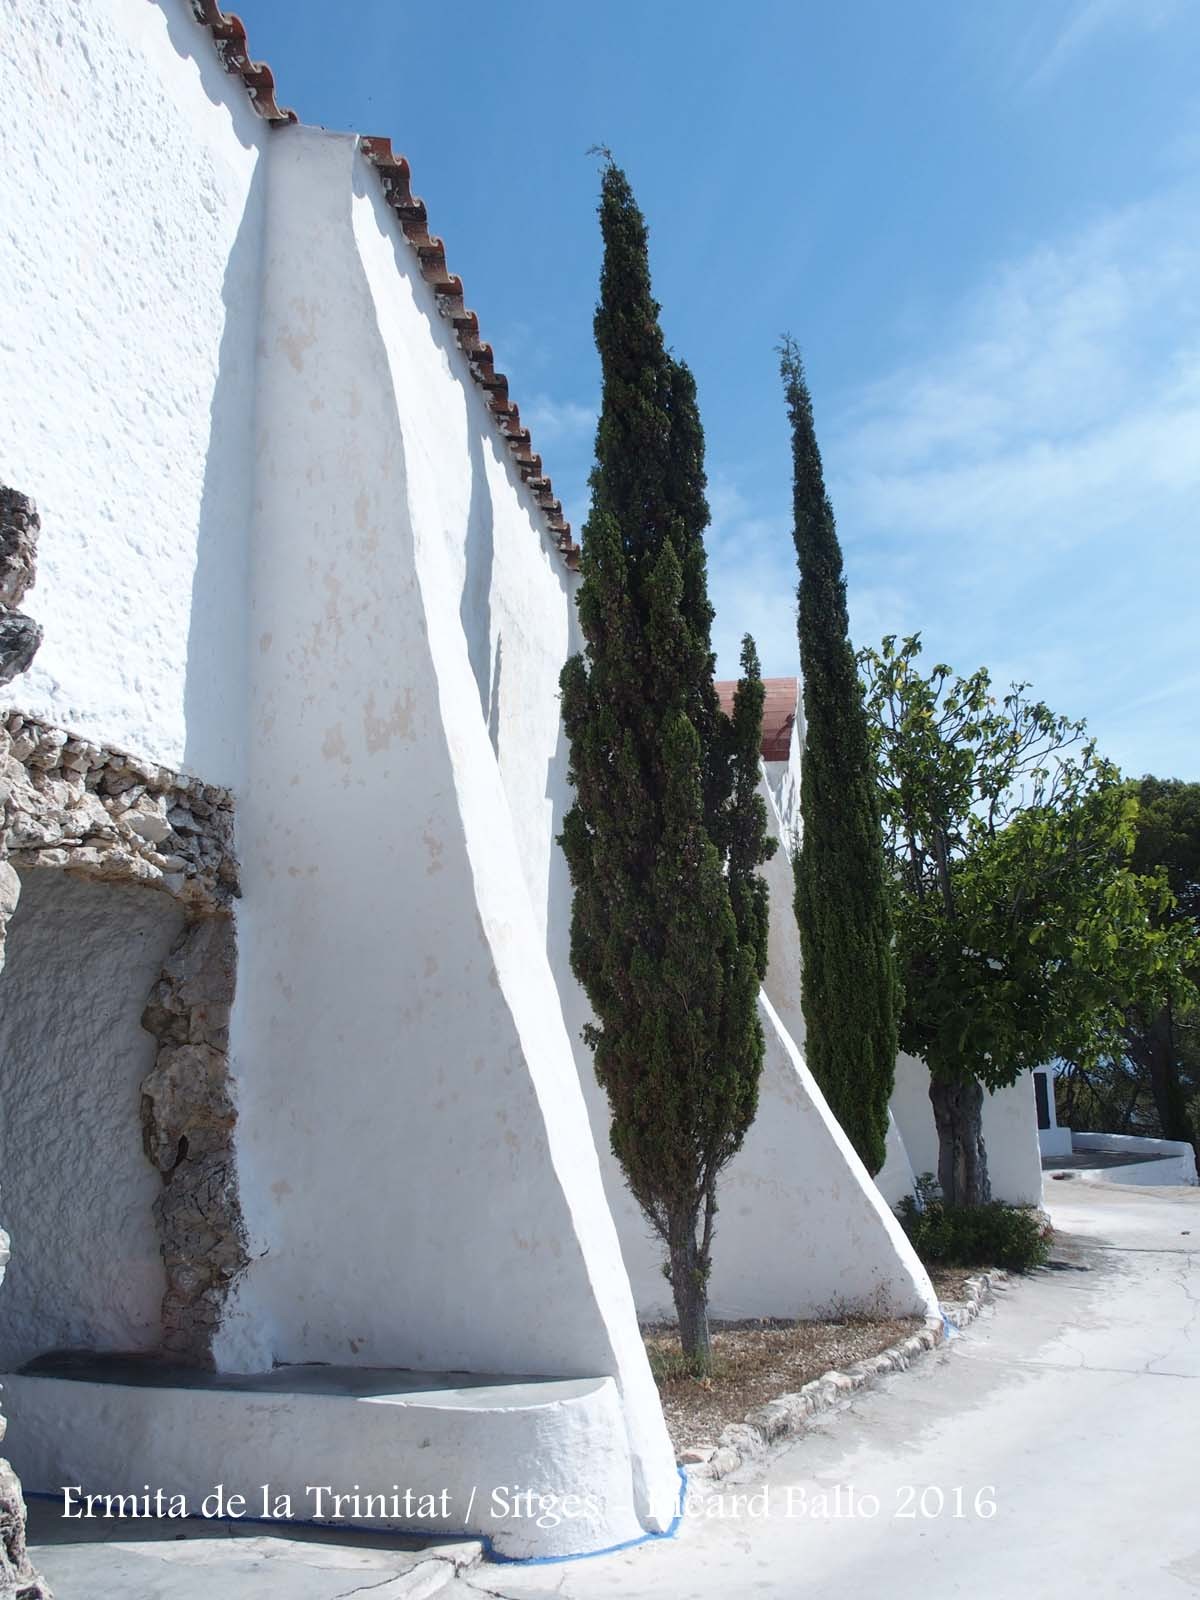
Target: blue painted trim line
591, 1555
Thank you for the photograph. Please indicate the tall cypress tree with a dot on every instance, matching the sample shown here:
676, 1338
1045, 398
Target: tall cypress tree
668, 923
849, 988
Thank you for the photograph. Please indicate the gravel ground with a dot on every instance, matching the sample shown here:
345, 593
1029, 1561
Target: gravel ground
950, 1282
754, 1362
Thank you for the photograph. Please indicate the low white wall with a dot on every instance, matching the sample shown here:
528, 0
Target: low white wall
1010, 1132
1129, 1144
129, 255
1176, 1163
1170, 1173
470, 1451
76, 1189
430, 1197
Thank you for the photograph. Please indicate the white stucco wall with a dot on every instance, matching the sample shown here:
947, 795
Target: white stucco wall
895, 1179
428, 1194
1052, 1140
1055, 1141
1010, 1132
76, 1188
1014, 1155
129, 252
913, 1115
283, 548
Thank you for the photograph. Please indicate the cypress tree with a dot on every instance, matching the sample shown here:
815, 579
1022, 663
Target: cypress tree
668, 922
849, 989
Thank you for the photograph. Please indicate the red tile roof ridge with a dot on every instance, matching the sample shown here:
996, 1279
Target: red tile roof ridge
779, 713
229, 38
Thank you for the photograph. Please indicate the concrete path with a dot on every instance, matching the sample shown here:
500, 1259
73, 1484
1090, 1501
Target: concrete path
1050, 1450
1071, 1407
199, 1560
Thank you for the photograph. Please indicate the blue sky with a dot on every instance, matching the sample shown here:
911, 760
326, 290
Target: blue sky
981, 222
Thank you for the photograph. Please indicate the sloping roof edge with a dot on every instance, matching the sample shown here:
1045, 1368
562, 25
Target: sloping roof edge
228, 34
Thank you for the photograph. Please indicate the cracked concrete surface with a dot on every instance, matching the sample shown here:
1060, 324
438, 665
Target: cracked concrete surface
1070, 1400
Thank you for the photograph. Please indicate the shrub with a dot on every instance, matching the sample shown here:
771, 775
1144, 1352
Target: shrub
992, 1235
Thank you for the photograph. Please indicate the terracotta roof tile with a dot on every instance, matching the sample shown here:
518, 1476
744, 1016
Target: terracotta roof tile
229, 37
779, 713
410, 211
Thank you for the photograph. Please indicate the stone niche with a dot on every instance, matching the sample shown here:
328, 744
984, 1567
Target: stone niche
78, 1193
117, 1178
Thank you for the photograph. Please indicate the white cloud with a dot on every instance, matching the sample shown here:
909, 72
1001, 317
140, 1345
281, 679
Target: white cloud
555, 421
752, 581
1030, 485
1091, 18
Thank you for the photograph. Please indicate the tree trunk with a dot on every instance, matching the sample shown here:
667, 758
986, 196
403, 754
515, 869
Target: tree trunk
1153, 1050
962, 1154
689, 1285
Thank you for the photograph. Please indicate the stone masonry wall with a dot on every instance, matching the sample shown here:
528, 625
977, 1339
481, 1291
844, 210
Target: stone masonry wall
19, 639
65, 802
19, 635
97, 812
187, 1126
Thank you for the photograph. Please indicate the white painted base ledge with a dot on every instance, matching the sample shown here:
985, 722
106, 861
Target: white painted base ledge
479, 1451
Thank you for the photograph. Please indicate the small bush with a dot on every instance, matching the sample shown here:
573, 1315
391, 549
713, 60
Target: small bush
994, 1235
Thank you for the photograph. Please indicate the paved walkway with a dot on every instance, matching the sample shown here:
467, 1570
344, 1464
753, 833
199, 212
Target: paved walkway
1071, 1405
1069, 1410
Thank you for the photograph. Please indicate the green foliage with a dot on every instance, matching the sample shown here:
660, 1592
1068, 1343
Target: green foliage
1148, 1081
674, 1366
1162, 1030
1168, 839
1023, 932
668, 926
848, 986
991, 1235
1107, 1096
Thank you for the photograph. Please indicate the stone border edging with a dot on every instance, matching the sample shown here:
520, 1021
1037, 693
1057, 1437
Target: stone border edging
774, 1420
